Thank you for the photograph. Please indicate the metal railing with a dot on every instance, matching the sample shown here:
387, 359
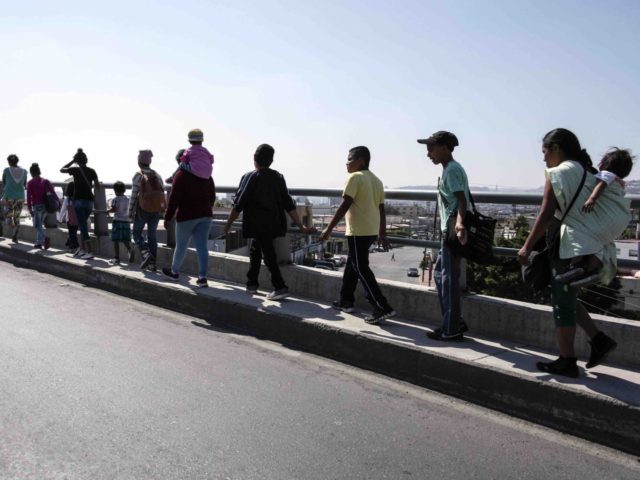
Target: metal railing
495, 198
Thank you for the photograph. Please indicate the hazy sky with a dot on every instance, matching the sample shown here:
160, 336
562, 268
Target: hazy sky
313, 78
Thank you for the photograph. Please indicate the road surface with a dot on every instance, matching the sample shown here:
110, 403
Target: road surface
97, 386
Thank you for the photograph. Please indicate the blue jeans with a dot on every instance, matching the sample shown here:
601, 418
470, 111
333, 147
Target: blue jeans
447, 278
83, 210
39, 214
198, 228
151, 219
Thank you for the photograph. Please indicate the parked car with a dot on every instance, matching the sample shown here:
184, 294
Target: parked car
324, 263
412, 272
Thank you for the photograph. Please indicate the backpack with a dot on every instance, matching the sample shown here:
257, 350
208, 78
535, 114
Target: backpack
51, 201
151, 197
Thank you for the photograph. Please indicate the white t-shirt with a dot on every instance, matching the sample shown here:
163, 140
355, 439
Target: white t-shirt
121, 206
606, 176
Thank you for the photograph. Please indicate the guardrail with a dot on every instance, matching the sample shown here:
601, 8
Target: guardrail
496, 198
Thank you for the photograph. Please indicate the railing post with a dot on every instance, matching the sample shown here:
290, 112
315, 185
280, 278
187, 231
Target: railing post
282, 246
101, 223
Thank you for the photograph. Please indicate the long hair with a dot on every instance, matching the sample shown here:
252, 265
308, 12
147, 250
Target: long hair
567, 141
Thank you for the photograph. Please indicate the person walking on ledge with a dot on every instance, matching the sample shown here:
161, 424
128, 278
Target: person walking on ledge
14, 179
146, 206
363, 208
263, 198
453, 199
38, 189
85, 181
191, 202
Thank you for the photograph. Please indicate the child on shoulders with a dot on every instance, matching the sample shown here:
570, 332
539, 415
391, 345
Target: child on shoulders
197, 159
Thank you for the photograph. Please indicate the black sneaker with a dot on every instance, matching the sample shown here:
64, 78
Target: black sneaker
438, 334
590, 279
601, 345
170, 274
566, 367
569, 275
463, 328
146, 260
252, 289
152, 267
380, 316
202, 283
346, 307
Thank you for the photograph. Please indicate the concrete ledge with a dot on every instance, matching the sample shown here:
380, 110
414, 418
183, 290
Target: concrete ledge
603, 408
498, 318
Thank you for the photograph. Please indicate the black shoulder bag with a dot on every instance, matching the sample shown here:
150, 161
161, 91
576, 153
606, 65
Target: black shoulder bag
480, 235
538, 272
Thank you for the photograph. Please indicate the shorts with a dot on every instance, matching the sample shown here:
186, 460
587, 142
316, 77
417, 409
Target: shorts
120, 231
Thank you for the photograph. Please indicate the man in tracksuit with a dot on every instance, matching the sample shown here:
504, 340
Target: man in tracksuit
363, 206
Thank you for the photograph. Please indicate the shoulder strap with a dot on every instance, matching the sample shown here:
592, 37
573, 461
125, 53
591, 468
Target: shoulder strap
575, 196
84, 176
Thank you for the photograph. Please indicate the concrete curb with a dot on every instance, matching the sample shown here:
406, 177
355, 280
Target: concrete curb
496, 318
596, 418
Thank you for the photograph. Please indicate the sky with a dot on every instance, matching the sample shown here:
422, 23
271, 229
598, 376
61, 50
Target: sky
315, 78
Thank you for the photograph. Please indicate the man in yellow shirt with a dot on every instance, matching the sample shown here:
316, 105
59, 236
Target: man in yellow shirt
363, 206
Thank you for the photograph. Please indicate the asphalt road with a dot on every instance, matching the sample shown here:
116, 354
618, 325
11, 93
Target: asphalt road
403, 257
96, 386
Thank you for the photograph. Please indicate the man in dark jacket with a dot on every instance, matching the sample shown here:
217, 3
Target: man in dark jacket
263, 198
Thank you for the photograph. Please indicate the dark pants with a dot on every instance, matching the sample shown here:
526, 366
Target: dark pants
72, 240
357, 268
263, 248
151, 220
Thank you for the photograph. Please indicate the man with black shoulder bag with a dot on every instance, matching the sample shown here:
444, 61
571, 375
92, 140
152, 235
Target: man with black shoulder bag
453, 199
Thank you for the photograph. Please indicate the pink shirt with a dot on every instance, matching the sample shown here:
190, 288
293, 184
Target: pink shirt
198, 160
36, 191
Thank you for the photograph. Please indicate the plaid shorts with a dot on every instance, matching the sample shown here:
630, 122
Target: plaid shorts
120, 231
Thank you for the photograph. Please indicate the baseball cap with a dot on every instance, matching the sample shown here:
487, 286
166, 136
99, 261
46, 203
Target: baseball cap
441, 137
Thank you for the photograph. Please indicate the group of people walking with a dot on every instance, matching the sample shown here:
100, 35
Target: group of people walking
586, 252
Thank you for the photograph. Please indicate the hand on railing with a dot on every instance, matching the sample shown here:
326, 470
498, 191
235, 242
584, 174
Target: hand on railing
523, 256
384, 241
324, 236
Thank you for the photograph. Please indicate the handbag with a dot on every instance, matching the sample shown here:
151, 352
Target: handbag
51, 201
538, 272
480, 233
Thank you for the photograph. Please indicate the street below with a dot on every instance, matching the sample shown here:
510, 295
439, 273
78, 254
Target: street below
98, 386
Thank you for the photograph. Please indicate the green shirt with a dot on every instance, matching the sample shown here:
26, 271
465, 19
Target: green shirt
14, 189
454, 179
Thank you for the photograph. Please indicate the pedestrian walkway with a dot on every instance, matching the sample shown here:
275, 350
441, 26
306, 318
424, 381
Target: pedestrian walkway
497, 374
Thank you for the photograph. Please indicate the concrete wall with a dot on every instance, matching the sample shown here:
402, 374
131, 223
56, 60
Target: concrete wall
507, 320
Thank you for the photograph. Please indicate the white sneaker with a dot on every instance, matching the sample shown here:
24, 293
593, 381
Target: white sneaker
278, 294
78, 253
87, 256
